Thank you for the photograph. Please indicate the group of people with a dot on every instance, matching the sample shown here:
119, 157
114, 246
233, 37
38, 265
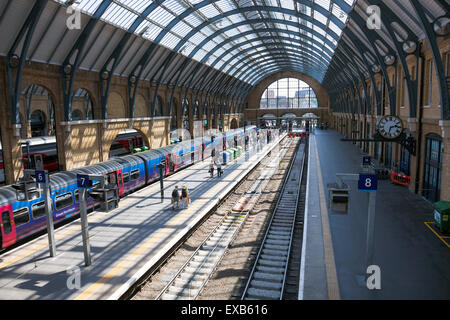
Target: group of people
184, 197
219, 169
176, 197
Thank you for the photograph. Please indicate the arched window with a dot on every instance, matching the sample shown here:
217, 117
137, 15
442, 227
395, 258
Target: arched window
77, 115
158, 107
38, 122
288, 93
185, 113
173, 120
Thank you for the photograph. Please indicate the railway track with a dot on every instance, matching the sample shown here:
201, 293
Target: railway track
268, 277
184, 275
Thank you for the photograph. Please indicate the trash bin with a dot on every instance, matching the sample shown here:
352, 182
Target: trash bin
442, 215
239, 150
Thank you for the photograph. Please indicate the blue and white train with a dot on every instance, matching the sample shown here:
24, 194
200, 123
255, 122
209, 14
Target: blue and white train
24, 215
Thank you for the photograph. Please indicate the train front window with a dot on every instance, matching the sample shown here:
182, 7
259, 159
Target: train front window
38, 209
134, 174
126, 177
6, 222
63, 201
21, 216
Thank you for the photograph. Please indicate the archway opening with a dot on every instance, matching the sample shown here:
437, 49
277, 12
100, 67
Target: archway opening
288, 93
233, 124
82, 106
39, 148
127, 142
185, 114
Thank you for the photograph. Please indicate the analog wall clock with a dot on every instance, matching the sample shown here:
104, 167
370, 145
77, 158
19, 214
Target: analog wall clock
390, 127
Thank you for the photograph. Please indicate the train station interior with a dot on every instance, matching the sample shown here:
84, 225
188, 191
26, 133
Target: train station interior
140, 96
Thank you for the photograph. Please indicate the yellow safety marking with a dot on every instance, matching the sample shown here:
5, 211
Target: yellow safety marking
332, 280
131, 257
437, 235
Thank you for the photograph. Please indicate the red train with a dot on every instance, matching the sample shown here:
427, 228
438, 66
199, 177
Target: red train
41, 151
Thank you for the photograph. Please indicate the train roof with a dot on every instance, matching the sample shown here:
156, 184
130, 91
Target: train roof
7, 195
149, 154
62, 179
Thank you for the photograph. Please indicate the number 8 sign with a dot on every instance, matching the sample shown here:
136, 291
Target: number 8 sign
367, 182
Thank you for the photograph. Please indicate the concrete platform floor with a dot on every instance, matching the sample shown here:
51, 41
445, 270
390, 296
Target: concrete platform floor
414, 262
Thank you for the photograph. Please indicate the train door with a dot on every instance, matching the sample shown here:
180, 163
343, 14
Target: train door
120, 185
130, 145
8, 228
170, 163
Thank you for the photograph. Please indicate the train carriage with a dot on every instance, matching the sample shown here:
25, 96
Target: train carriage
23, 215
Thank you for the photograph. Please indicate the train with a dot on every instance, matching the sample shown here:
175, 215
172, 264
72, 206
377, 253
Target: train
23, 215
43, 150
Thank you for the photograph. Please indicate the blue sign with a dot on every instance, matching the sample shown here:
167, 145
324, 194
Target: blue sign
83, 181
367, 182
40, 176
366, 161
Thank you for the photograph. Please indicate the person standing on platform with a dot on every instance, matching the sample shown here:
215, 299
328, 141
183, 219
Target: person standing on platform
185, 196
219, 169
175, 198
211, 169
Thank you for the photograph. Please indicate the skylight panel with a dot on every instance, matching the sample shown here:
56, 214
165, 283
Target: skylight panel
209, 11
161, 16
152, 32
323, 3
320, 17
175, 6
181, 29
170, 41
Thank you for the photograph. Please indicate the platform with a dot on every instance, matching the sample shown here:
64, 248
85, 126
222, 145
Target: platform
125, 242
413, 257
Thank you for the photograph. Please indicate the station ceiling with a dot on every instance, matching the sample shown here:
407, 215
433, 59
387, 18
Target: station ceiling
182, 41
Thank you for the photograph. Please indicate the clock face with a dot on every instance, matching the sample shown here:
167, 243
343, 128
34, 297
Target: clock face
390, 127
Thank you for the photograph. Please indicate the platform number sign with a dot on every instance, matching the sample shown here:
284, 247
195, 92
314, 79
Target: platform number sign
367, 182
83, 181
40, 176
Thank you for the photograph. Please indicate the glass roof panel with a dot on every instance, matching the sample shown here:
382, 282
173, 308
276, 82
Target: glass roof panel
164, 24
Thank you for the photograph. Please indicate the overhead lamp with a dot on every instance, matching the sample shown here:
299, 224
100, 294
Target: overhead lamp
14, 61
376, 68
389, 60
409, 46
442, 26
67, 68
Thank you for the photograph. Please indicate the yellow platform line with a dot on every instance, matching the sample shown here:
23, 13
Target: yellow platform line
332, 280
437, 235
131, 257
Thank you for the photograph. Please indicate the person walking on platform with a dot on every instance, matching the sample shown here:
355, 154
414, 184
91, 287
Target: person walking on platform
211, 168
219, 169
185, 196
175, 198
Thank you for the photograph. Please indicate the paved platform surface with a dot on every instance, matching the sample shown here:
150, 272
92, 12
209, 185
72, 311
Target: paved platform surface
125, 242
414, 259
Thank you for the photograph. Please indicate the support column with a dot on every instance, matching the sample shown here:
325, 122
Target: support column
412, 125
445, 174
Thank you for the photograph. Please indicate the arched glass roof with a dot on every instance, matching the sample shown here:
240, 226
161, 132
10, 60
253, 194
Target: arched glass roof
237, 37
